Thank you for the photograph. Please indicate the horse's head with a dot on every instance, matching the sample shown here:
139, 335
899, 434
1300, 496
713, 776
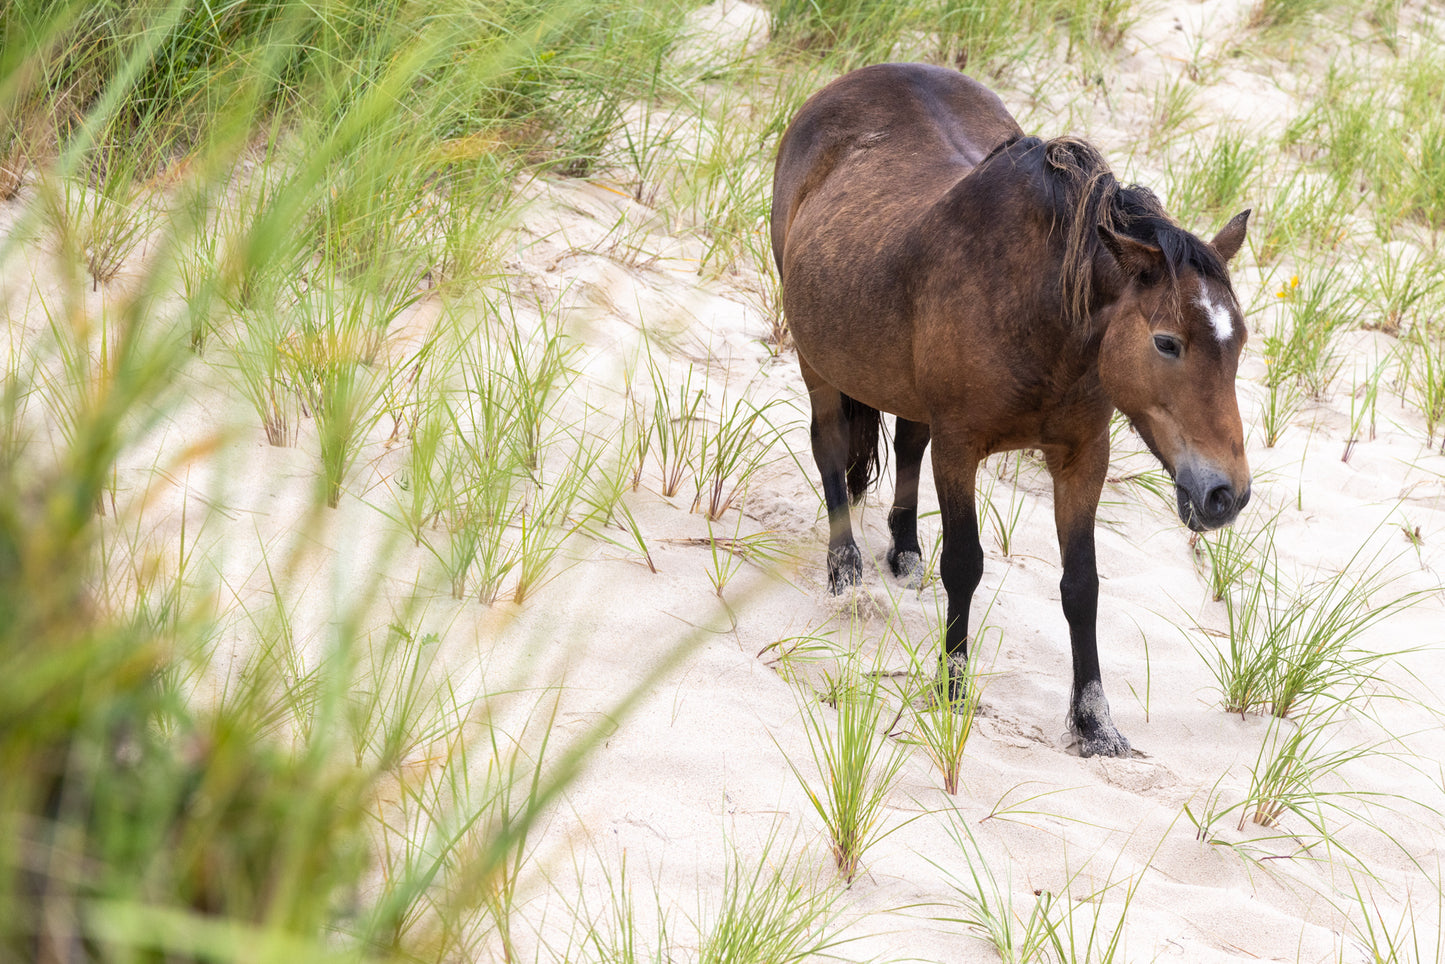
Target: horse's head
1168, 359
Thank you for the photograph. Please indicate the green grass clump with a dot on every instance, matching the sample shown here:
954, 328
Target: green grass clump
1233, 555
985, 38
1290, 645
1212, 183
1282, 14
770, 911
482, 68
1301, 348
1423, 352
856, 761
869, 30
1383, 144
1411, 170
986, 908
1300, 215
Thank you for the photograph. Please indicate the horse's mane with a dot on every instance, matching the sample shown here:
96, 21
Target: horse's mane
1084, 195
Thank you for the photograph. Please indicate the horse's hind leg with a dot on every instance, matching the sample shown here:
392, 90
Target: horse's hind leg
1078, 480
905, 557
830, 438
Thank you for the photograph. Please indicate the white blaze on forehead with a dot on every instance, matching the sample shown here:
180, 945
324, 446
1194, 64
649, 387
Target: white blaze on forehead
1219, 317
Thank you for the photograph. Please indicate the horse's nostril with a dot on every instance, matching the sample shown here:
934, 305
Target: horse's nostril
1219, 501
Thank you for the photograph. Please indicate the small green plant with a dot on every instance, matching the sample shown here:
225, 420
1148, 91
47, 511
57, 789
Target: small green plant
419, 489
856, 761
515, 774
1401, 290
330, 358
941, 727
730, 456
725, 556
675, 429
1002, 521
1281, 403
1233, 555
1362, 407
1406, 939
1302, 215
1424, 364
648, 141
987, 909
1301, 345
725, 186
1288, 646
605, 499
1174, 107
101, 217
1302, 771
550, 517
770, 911
398, 708
790, 655
536, 371
983, 38
1212, 182
619, 941
1098, 26
1413, 170
264, 378
476, 204
479, 504
194, 220
1282, 14
1292, 758
91, 353
865, 30
938, 725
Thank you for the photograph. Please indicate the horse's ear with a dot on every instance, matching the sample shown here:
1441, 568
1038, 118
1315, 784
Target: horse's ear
1231, 237
1136, 258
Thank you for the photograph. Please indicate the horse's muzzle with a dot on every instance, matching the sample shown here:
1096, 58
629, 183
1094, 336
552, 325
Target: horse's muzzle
1207, 500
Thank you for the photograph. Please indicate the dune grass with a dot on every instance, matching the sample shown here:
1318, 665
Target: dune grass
1288, 644
857, 763
986, 907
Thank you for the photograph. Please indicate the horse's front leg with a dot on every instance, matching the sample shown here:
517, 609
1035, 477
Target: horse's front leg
905, 557
1078, 481
960, 565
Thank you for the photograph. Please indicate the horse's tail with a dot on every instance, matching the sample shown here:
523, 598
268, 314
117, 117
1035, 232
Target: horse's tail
865, 424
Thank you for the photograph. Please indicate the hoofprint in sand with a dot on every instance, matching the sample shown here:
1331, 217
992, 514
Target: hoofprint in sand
707, 772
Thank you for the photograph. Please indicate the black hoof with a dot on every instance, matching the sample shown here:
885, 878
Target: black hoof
1105, 741
953, 679
1092, 728
845, 568
907, 567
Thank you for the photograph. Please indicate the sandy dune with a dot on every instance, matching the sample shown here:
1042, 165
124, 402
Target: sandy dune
701, 767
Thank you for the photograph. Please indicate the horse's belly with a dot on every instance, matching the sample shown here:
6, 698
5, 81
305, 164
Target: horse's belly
861, 345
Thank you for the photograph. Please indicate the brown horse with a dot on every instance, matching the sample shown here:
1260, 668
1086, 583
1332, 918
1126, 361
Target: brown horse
995, 292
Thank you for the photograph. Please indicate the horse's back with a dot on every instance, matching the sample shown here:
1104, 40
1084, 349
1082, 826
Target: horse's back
921, 127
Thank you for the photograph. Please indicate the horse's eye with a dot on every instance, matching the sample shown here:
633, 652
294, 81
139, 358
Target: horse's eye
1168, 346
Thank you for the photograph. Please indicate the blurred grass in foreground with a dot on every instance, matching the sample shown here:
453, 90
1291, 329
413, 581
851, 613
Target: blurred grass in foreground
223, 150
